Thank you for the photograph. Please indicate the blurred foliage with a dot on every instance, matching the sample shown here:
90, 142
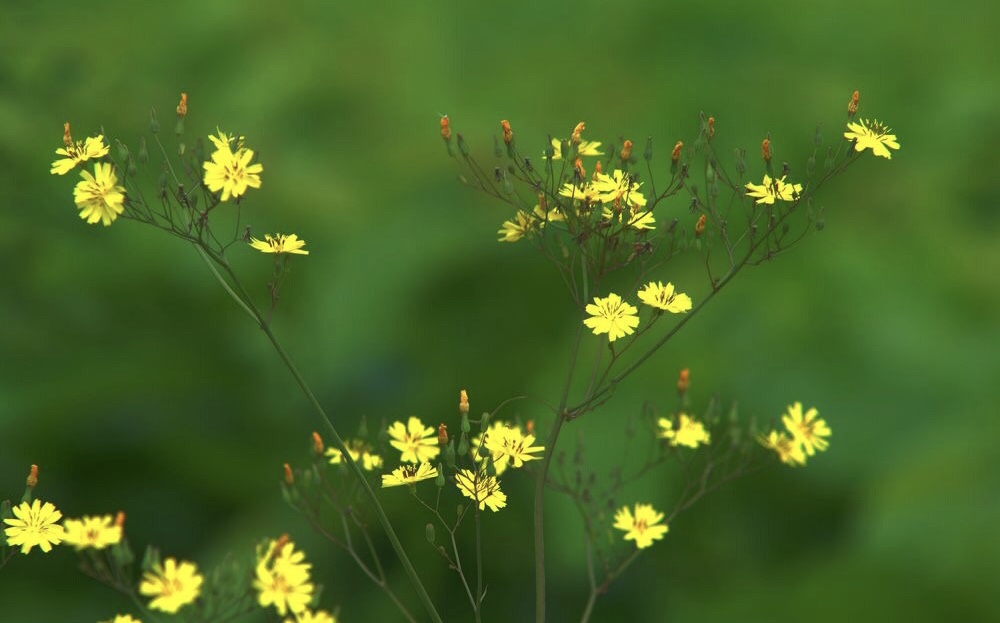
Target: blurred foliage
136, 384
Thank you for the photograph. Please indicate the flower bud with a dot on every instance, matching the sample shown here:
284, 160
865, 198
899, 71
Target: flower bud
852, 106
675, 155
445, 128
626, 153
466, 427
179, 129
508, 134
442, 434
289, 476
529, 427
710, 128
182, 108
581, 173
463, 398
439, 480
683, 380
765, 149
463, 445
143, 154
484, 422
699, 227
67, 137
429, 532
32, 480
449, 454
154, 123
575, 138
317, 444
122, 150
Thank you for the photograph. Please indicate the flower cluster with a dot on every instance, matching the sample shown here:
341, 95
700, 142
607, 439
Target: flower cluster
617, 318
282, 578
804, 435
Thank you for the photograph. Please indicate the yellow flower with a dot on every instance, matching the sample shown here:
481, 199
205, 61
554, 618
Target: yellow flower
637, 218
483, 489
809, 430
643, 527
80, 151
665, 297
690, 432
279, 243
613, 316
417, 442
585, 193
409, 474
509, 445
360, 452
282, 579
230, 171
787, 448
872, 135
34, 524
771, 190
98, 196
123, 618
519, 227
320, 616
583, 148
618, 188
172, 585
496, 428
95, 532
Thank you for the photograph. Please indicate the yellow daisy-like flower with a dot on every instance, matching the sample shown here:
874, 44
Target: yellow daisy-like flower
279, 243
320, 616
583, 148
417, 442
34, 524
613, 316
80, 151
123, 618
496, 428
230, 171
618, 188
772, 189
509, 445
483, 489
690, 432
585, 193
786, 447
872, 135
92, 532
282, 579
360, 452
809, 430
409, 474
171, 585
643, 527
520, 226
665, 297
98, 196
637, 218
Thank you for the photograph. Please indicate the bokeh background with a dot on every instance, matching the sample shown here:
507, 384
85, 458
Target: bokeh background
136, 384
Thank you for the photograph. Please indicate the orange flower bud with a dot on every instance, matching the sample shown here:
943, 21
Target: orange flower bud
280, 544
699, 227
543, 203
32, 479
120, 519
711, 127
289, 476
626, 150
852, 106
442, 434
317, 443
182, 108
580, 127
598, 168
676, 154
578, 167
463, 402
67, 137
765, 149
683, 380
529, 427
445, 128
508, 134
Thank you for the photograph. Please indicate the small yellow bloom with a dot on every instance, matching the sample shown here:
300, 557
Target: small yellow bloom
613, 316
637, 218
786, 447
78, 152
172, 585
320, 616
513, 230
98, 196
809, 430
690, 432
417, 442
772, 189
510, 445
123, 618
282, 579
643, 527
618, 188
93, 532
872, 135
34, 524
483, 489
360, 452
230, 171
583, 148
665, 297
279, 243
409, 474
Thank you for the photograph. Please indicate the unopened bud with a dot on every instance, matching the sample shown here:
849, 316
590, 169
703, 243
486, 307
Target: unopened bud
120, 519
463, 445
439, 480
675, 155
529, 427
508, 134
32, 479
429, 533
648, 153
466, 426
154, 123
280, 544
710, 130
317, 444
462, 147
449, 454
289, 476
580, 127
598, 169
143, 154
463, 402
442, 434
445, 128
626, 154
67, 137
852, 106
765, 149
683, 380
699, 227
182, 108
581, 173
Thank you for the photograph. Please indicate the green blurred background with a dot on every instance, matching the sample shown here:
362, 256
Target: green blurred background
136, 384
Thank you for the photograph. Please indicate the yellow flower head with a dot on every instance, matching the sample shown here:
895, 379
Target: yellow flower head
613, 316
773, 189
34, 524
417, 442
409, 474
871, 135
583, 148
320, 616
508, 445
171, 585
80, 151
643, 527
279, 243
788, 449
809, 430
483, 489
98, 196
690, 432
230, 171
665, 297
360, 451
93, 532
618, 189
520, 226
123, 618
282, 578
